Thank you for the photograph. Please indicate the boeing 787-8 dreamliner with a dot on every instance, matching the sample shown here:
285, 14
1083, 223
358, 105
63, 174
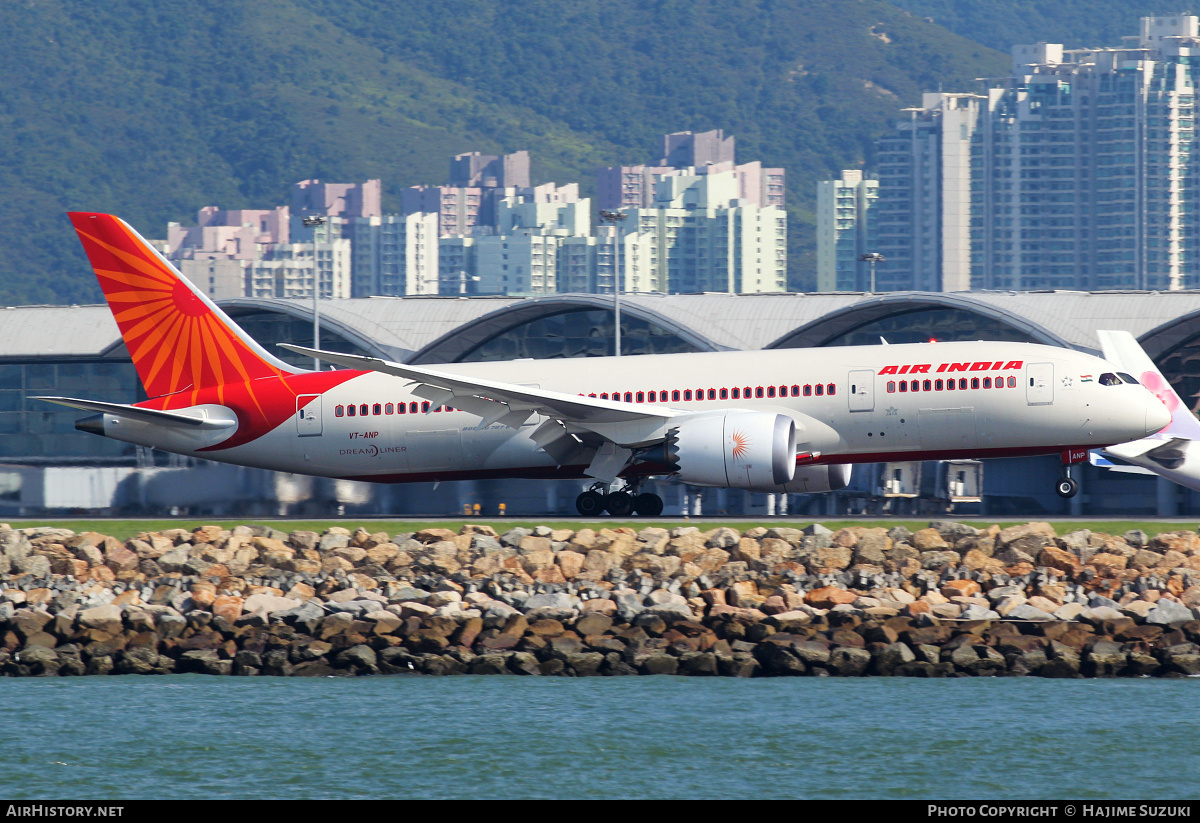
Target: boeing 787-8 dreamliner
789, 420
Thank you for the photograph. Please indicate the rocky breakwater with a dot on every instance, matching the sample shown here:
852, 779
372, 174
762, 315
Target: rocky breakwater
948, 600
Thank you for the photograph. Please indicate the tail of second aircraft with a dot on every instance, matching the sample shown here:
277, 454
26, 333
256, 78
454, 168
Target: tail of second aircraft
1122, 350
1174, 452
177, 338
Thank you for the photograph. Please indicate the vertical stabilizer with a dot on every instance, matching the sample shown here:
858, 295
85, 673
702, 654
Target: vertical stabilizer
177, 338
1122, 350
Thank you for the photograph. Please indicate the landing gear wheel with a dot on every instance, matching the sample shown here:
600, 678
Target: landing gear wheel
619, 504
590, 504
648, 505
1067, 487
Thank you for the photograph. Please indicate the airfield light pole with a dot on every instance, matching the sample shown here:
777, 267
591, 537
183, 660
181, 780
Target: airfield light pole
314, 223
614, 219
872, 257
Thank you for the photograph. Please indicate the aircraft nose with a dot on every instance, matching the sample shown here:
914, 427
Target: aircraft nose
1157, 416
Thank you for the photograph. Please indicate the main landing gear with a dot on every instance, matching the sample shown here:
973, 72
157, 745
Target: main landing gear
621, 503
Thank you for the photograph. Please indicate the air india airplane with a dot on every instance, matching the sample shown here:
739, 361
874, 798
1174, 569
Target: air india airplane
773, 421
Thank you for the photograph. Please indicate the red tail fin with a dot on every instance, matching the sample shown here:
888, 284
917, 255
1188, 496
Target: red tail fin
178, 339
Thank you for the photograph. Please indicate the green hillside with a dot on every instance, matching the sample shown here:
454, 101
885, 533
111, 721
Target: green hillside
1074, 23
154, 108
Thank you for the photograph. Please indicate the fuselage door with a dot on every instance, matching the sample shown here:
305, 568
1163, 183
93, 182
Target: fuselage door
308, 415
1039, 384
862, 390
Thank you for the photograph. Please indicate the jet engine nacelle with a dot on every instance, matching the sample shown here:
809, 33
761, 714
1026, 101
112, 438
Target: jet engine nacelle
740, 450
814, 479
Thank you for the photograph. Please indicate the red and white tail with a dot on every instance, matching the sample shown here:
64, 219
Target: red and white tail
178, 339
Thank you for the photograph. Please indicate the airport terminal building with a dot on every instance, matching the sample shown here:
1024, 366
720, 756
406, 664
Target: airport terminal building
47, 466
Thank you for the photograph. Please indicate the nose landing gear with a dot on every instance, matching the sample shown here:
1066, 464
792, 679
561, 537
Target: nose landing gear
621, 503
1067, 486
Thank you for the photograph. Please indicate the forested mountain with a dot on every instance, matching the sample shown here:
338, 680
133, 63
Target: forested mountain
1074, 23
153, 108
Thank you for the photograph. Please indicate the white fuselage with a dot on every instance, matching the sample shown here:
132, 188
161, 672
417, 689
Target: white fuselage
1007, 399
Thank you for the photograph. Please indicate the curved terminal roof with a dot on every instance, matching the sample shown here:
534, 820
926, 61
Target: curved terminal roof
438, 329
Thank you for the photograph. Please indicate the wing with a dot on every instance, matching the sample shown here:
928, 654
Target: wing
611, 429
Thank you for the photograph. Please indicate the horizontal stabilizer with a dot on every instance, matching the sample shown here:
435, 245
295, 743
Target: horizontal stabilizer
199, 418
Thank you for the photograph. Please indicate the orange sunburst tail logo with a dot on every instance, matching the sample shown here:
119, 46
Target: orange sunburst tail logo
177, 338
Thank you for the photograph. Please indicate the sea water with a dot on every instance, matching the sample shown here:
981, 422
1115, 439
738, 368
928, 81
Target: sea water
192, 736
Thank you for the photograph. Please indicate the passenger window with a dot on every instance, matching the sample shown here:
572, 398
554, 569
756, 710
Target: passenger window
377, 409
338, 411
628, 397
724, 394
387, 408
425, 406
687, 394
737, 393
412, 407
603, 395
362, 410
808, 390
904, 385
987, 382
927, 386
1012, 382
974, 382
832, 389
712, 394
949, 385
641, 397
795, 391
891, 387
675, 396
820, 390
758, 391
962, 383
937, 385
650, 397
401, 408
915, 385
770, 391
351, 411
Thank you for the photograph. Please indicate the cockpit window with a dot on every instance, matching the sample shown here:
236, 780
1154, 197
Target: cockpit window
1128, 378
1109, 379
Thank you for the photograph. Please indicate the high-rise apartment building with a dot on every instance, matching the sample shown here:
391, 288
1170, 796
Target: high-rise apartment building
923, 212
291, 269
347, 200
845, 231
1077, 171
700, 237
394, 254
689, 154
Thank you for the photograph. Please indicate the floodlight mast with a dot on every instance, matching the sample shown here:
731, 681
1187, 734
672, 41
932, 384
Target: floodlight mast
314, 223
872, 257
614, 219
